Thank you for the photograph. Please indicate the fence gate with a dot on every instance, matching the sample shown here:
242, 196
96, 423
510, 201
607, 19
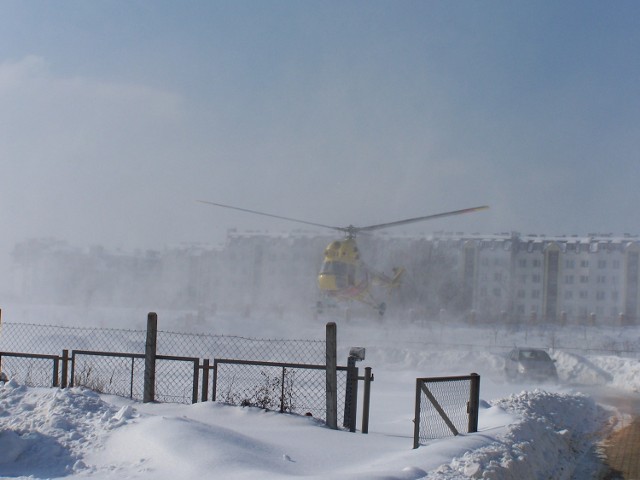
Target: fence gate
445, 406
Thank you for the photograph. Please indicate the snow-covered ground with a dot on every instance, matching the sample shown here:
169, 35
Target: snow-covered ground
536, 431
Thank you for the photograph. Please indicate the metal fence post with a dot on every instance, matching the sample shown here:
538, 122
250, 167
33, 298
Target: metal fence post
331, 376
150, 358
65, 366
133, 365
282, 379
474, 402
354, 400
205, 380
416, 418
73, 367
366, 399
56, 372
351, 395
214, 395
196, 374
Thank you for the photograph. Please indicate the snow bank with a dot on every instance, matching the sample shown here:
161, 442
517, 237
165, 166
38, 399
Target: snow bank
75, 433
47, 432
552, 438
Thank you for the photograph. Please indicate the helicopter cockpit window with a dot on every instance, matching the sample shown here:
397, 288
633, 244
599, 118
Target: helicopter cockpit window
343, 273
334, 268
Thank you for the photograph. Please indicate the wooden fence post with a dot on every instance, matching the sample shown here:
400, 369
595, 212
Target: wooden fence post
331, 376
150, 358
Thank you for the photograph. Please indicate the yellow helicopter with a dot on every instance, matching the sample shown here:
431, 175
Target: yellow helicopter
343, 275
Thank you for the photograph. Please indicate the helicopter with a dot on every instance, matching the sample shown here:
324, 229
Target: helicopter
343, 274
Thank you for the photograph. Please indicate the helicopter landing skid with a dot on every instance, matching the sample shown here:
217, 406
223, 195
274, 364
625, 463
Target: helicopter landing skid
322, 307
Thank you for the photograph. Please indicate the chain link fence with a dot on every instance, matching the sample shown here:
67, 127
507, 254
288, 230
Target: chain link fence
241, 348
445, 406
30, 369
285, 387
116, 374
51, 340
112, 361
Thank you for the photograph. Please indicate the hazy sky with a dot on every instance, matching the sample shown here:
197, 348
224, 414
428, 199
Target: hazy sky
116, 116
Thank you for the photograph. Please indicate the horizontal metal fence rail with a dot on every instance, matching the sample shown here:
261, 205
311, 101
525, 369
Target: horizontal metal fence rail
283, 386
22, 367
445, 406
123, 375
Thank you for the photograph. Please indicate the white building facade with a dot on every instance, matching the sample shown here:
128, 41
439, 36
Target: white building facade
486, 278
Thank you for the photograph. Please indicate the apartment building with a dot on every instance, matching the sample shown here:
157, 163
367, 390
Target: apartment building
557, 279
504, 277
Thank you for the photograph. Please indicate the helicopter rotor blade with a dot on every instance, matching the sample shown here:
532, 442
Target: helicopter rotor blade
274, 216
420, 219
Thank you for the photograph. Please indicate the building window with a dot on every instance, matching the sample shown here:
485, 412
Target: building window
584, 263
522, 262
602, 264
584, 278
536, 278
583, 294
600, 295
497, 276
569, 263
496, 292
536, 262
616, 263
614, 295
568, 279
535, 294
568, 294
521, 294
601, 279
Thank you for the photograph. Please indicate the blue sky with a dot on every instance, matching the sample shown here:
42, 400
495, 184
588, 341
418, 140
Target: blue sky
116, 116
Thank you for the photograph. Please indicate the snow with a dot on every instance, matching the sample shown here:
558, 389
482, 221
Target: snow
532, 431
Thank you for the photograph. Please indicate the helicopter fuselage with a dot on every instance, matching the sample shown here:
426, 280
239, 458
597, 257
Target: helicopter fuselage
340, 266
343, 274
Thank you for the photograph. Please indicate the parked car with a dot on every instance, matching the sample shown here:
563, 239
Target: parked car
3, 377
530, 364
